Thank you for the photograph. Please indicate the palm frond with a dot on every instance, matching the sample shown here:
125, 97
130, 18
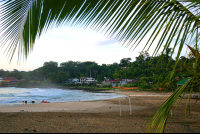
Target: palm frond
129, 22
194, 52
158, 121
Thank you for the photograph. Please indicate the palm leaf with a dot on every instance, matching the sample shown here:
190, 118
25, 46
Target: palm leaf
22, 22
194, 52
158, 121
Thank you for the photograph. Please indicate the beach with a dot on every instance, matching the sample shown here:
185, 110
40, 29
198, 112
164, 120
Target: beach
98, 116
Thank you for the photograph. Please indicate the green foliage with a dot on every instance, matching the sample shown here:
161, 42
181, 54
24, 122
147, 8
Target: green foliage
70, 84
145, 73
116, 85
46, 82
129, 85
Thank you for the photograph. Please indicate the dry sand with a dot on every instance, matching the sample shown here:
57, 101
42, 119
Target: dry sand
102, 116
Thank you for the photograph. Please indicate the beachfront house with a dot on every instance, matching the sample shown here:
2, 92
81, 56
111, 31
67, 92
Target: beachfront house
121, 82
103, 83
115, 82
87, 80
0, 80
8, 81
131, 81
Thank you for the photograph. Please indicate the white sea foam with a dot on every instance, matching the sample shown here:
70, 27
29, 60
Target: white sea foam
10, 96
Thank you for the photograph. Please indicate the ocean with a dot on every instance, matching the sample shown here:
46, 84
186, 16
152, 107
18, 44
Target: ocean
10, 96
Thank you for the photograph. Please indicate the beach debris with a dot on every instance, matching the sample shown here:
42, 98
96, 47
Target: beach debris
21, 110
34, 130
26, 129
70, 116
59, 116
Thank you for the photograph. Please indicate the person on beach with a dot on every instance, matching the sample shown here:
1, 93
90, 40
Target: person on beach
44, 101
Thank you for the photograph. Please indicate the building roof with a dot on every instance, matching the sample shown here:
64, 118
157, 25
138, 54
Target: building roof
113, 80
8, 78
183, 81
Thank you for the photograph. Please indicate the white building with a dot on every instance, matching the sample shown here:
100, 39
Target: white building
87, 80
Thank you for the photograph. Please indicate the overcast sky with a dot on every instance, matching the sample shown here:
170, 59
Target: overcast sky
71, 43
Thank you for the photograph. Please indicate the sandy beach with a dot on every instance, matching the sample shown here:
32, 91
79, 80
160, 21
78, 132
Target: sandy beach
99, 116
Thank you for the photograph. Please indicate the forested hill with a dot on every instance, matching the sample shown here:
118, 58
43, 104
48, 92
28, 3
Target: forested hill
141, 69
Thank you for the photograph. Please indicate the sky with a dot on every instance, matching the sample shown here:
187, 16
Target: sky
67, 43
70, 43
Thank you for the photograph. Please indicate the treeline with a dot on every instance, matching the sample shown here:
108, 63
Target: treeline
145, 69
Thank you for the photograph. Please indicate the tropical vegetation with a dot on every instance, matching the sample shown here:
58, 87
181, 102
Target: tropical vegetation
147, 76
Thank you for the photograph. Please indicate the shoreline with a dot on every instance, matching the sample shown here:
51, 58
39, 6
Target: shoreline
80, 106
29, 103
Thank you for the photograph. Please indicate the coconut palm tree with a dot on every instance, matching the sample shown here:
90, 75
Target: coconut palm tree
168, 23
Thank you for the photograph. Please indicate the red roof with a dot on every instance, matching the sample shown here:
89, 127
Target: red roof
8, 78
113, 80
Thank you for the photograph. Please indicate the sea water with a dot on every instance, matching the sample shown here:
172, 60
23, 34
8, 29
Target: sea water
10, 96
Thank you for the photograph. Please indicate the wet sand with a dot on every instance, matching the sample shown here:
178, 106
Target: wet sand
101, 116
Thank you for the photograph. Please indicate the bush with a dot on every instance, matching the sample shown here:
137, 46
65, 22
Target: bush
129, 85
116, 85
71, 84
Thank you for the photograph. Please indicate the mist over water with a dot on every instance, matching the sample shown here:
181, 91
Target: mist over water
10, 96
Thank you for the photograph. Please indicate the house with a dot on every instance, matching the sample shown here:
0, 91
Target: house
9, 81
121, 82
1, 80
87, 80
105, 83
131, 81
114, 82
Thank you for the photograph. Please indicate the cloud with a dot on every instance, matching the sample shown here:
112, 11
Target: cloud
58, 57
105, 42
